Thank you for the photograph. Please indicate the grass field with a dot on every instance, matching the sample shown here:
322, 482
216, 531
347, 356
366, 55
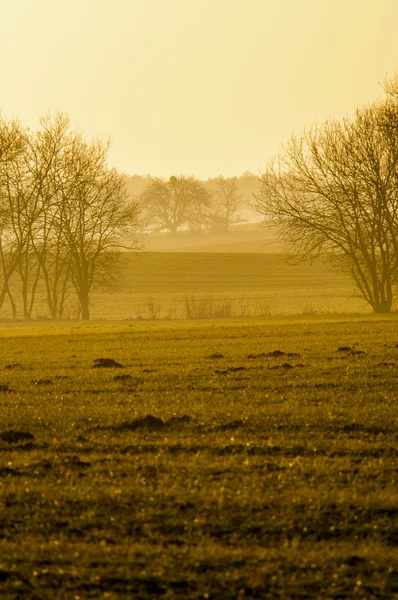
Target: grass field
159, 285
267, 467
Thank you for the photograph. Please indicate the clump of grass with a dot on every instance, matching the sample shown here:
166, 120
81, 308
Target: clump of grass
206, 306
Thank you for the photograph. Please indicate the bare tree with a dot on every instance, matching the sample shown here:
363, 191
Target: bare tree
334, 190
181, 201
12, 149
96, 218
51, 144
227, 201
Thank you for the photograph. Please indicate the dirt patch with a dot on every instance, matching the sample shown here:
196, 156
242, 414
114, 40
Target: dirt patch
106, 363
122, 377
229, 370
13, 436
147, 423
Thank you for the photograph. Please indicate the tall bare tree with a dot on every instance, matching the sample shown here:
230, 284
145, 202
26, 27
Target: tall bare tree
96, 217
334, 190
12, 149
51, 145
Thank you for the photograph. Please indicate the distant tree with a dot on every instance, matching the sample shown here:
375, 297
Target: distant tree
227, 201
180, 201
334, 190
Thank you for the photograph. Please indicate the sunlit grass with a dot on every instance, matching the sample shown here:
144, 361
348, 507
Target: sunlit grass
271, 475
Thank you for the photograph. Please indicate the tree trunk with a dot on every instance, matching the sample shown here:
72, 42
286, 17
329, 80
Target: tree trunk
383, 307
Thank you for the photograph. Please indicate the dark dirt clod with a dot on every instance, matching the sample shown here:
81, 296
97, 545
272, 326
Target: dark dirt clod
9, 471
42, 381
74, 461
215, 355
122, 377
13, 366
275, 353
4, 575
179, 420
284, 366
106, 363
14, 437
229, 426
149, 422
5, 388
229, 370
344, 349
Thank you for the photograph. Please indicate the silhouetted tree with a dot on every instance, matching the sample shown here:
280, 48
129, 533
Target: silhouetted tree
334, 190
13, 234
64, 215
181, 201
227, 201
96, 217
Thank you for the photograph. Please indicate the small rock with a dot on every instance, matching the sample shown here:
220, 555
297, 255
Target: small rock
276, 353
106, 363
344, 349
215, 355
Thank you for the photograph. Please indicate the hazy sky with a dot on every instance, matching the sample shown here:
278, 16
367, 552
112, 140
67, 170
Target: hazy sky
194, 86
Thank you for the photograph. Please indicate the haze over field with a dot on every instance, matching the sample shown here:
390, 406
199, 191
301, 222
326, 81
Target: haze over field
204, 87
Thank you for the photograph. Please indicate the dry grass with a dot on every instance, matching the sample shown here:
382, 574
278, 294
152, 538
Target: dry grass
158, 285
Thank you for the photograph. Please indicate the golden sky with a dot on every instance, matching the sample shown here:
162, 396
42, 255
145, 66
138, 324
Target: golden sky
204, 87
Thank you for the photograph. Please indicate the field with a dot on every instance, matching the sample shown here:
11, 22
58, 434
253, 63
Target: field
163, 285
223, 459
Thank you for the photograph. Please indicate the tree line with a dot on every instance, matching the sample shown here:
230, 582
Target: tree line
186, 203
65, 215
